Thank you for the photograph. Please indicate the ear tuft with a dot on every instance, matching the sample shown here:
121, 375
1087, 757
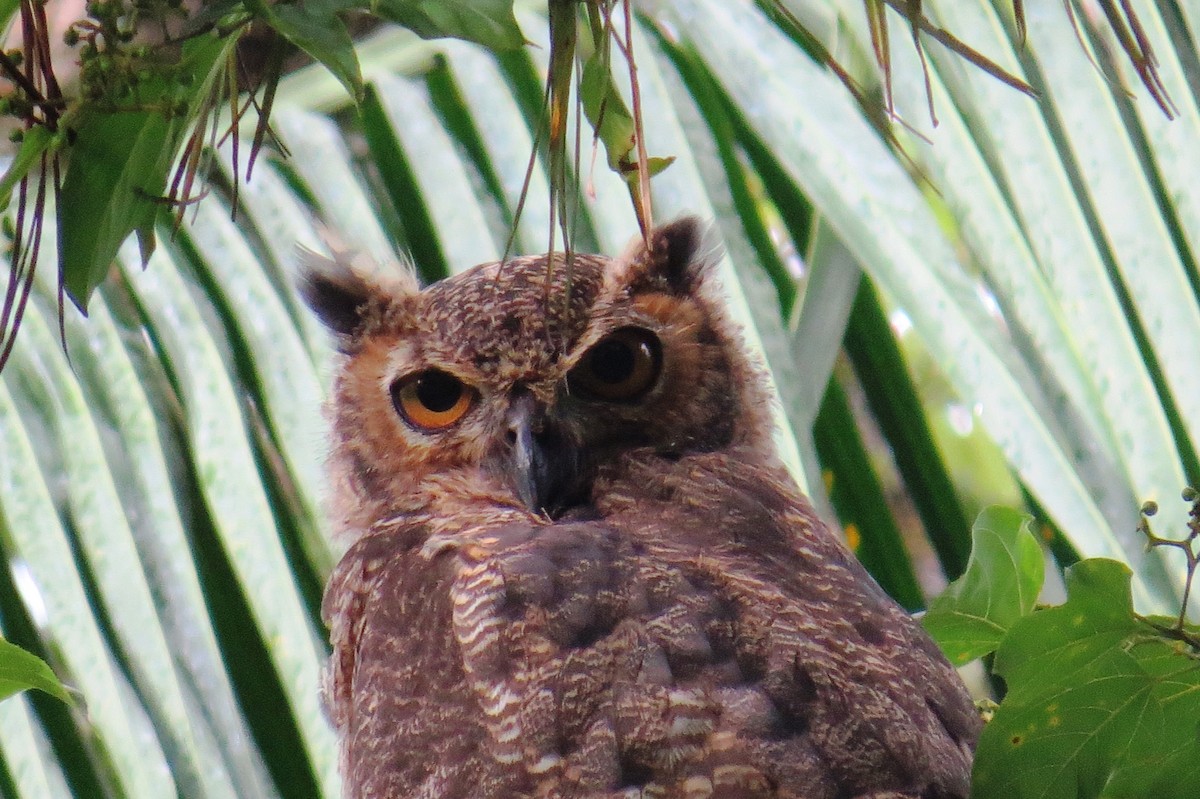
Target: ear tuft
334, 291
677, 247
676, 260
351, 294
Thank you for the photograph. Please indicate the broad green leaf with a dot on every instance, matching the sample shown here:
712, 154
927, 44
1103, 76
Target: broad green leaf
1098, 702
7, 9
439, 177
872, 204
21, 670
1001, 584
612, 123
607, 113
36, 142
118, 173
30, 529
487, 22
319, 155
233, 491
118, 170
23, 755
313, 88
507, 141
1167, 764
314, 27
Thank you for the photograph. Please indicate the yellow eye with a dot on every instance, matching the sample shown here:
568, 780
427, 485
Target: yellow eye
621, 367
431, 400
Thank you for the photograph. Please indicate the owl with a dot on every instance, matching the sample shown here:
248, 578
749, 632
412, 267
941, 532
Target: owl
577, 568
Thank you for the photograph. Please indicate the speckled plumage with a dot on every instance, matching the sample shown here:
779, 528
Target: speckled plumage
673, 622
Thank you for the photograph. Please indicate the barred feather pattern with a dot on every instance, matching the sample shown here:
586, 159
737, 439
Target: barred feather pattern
716, 642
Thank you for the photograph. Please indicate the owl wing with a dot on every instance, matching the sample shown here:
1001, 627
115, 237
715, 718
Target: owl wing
602, 659
606, 661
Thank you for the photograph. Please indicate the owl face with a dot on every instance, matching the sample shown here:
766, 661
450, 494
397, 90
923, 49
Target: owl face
508, 389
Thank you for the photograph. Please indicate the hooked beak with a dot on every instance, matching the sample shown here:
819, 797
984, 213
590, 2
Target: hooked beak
544, 467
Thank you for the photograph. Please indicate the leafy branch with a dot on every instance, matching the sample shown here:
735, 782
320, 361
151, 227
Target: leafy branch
1100, 699
155, 81
1186, 545
131, 139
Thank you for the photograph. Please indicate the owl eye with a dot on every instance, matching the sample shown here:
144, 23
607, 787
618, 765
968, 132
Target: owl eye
621, 367
431, 400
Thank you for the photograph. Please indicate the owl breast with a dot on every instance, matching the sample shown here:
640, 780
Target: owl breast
644, 653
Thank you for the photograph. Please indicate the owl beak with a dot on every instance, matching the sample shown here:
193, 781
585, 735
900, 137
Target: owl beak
524, 454
543, 466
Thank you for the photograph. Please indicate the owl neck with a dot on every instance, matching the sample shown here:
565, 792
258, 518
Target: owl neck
686, 480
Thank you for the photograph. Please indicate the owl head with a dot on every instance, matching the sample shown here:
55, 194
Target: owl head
507, 391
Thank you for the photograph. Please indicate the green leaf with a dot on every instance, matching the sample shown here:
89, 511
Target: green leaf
607, 112
30, 530
879, 364
236, 497
457, 225
1001, 584
506, 140
33, 770
20, 671
656, 164
611, 120
321, 159
118, 174
110, 382
118, 169
314, 27
1100, 704
7, 9
104, 539
217, 14
487, 22
872, 205
858, 497
285, 380
36, 142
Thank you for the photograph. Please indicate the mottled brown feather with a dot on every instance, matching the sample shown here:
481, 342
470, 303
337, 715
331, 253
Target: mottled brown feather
686, 628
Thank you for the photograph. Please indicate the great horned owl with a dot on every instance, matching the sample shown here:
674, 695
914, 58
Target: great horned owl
579, 570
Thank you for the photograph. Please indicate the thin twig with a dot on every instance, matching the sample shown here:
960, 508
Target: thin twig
643, 204
13, 73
